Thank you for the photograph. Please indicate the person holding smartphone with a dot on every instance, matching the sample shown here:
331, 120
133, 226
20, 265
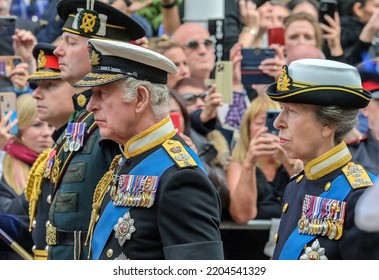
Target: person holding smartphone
256, 176
20, 152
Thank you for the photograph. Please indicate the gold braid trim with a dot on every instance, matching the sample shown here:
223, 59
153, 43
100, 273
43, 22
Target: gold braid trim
101, 190
33, 183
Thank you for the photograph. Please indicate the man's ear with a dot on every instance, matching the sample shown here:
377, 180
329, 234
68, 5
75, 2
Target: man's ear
357, 10
142, 100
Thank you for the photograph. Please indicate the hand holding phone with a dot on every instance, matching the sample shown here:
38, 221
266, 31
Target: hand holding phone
250, 72
8, 104
7, 64
271, 115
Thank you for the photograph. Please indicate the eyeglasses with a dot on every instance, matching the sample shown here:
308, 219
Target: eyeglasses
195, 44
191, 98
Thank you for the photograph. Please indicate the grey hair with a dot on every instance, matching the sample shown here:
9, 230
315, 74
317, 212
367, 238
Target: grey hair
159, 95
343, 119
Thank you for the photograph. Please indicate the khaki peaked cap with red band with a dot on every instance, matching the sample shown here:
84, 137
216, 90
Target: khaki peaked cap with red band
112, 61
320, 82
47, 63
95, 19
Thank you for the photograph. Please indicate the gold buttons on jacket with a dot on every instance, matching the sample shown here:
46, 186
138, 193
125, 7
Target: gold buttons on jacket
285, 207
109, 253
276, 237
327, 186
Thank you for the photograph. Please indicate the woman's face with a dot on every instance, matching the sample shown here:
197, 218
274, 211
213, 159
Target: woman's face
300, 32
178, 56
37, 137
257, 123
301, 135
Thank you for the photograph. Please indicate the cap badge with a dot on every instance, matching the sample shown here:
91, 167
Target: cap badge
284, 81
90, 22
41, 60
82, 100
94, 57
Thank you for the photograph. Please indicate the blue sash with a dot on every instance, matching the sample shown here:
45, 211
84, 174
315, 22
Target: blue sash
154, 165
294, 245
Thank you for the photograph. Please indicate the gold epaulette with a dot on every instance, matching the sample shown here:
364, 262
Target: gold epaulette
179, 154
33, 183
357, 176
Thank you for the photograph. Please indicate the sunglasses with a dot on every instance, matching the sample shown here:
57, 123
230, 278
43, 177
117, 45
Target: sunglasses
195, 44
191, 98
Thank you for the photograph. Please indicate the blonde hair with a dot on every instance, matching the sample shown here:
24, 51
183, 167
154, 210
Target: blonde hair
15, 172
258, 105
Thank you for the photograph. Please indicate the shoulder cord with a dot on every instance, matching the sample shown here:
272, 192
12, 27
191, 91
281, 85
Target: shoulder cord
101, 190
34, 182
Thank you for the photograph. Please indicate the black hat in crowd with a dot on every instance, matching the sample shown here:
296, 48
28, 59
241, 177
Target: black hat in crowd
47, 63
320, 82
113, 60
96, 19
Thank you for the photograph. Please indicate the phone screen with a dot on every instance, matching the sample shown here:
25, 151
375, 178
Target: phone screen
271, 115
7, 25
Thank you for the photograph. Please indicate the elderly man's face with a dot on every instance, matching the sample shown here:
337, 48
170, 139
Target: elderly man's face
115, 117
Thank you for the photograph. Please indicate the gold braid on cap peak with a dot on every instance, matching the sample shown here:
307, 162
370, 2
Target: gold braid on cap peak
34, 182
101, 190
284, 81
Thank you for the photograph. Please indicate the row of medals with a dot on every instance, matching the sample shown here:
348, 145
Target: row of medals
74, 137
325, 227
139, 198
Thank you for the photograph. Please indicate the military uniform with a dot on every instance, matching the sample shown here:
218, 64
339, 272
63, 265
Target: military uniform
79, 159
74, 177
160, 205
318, 211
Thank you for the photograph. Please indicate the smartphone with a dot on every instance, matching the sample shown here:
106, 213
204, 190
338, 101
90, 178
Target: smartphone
327, 7
8, 103
275, 36
252, 58
7, 25
224, 80
271, 115
7, 64
175, 118
259, 2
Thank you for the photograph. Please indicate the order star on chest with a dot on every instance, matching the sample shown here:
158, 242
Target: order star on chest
124, 228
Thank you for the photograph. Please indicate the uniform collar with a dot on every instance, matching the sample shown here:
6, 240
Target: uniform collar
328, 162
150, 138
